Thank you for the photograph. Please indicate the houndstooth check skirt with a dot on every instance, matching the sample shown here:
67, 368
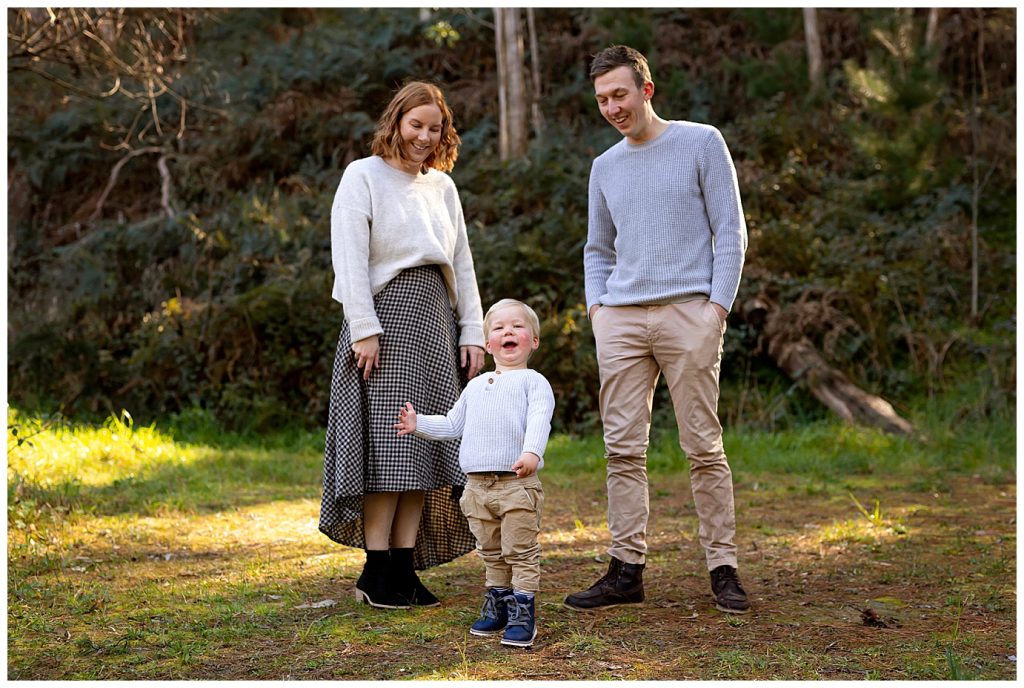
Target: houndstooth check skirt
419, 357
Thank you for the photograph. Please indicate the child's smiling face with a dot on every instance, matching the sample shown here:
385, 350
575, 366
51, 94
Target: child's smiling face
510, 338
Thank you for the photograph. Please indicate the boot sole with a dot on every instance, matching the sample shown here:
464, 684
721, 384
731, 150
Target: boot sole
485, 634
363, 597
520, 643
599, 608
722, 608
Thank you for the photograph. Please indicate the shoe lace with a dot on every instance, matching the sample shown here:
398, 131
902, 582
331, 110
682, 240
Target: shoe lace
726, 574
516, 609
490, 610
610, 575
726, 579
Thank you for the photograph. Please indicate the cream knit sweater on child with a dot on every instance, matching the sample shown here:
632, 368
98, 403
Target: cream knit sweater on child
498, 416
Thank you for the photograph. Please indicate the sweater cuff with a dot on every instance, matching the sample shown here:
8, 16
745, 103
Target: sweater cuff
539, 452
364, 327
723, 300
472, 336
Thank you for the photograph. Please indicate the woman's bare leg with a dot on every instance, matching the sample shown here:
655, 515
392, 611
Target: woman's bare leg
379, 510
406, 519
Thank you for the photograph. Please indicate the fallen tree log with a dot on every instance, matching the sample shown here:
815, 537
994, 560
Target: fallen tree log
795, 354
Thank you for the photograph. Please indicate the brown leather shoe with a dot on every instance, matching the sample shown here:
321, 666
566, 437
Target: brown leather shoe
729, 594
623, 584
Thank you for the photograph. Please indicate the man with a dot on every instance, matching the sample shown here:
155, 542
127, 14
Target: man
663, 258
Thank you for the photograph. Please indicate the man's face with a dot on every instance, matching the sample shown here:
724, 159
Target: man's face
623, 104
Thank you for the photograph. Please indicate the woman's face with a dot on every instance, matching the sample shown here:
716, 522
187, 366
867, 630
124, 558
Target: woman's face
420, 131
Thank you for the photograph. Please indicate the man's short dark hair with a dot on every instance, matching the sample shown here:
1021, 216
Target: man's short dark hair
621, 56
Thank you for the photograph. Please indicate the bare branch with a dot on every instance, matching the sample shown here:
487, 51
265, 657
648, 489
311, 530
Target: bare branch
482, 22
57, 80
113, 52
110, 52
114, 172
165, 186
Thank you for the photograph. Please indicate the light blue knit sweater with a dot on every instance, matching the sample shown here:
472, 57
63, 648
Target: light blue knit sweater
665, 221
498, 416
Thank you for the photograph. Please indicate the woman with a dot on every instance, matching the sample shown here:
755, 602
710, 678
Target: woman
404, 274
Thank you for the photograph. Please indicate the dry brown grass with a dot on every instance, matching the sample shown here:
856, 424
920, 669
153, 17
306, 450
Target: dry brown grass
213, 594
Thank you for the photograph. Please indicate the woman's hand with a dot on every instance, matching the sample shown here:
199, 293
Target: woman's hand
473, 357
367, 352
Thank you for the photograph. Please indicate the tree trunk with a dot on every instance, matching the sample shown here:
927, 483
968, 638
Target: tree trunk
931, 32
535, 114
797, 356
512, 103
815, 62
931, 38
499, 49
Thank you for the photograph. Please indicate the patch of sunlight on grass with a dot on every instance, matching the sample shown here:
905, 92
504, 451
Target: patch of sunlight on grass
859, 531
579, 533
92, 456
280, 521
850, 531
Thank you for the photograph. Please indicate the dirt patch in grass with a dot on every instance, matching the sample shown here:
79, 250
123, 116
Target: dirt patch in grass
920, 585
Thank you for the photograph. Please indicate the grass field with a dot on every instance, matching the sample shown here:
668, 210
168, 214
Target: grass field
184, 553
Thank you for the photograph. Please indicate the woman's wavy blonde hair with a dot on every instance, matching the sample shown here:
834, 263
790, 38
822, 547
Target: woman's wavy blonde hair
387, 139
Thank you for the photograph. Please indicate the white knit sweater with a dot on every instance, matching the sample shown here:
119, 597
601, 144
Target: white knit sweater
498, 416
665, 221
384, 221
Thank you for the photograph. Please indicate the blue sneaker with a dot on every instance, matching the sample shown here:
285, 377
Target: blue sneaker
521, 628
493, 615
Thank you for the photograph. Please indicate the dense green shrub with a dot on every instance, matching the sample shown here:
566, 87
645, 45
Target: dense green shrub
858, 204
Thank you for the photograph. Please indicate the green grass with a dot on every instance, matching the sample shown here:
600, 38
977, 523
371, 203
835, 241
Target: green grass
190, 464
170, 552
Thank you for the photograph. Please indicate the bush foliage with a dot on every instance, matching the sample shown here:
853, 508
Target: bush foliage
859, 202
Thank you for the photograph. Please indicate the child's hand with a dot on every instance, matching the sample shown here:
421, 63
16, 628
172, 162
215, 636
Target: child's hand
406, 420
526, 465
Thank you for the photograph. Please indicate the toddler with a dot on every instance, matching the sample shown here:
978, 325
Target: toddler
504, 419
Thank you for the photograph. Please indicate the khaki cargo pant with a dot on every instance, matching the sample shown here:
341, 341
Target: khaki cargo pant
504, 515
683, 342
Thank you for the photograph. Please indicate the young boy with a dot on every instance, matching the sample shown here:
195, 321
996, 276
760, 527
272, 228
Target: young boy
504, 419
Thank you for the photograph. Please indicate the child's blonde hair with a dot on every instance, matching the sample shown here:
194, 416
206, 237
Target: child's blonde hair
531, 316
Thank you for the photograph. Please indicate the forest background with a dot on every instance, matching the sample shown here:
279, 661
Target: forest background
169, 198
171, 336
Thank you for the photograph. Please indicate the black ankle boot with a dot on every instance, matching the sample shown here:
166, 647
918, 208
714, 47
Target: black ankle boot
405, 581
729, 594
623, 584
374, 584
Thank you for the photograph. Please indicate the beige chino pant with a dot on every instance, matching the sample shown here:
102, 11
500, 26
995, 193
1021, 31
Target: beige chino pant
504, 516
635, 345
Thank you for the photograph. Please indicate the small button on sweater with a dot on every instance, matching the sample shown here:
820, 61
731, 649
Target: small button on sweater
498, 416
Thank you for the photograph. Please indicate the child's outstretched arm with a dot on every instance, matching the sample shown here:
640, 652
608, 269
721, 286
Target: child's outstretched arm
406, 420
432, 427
